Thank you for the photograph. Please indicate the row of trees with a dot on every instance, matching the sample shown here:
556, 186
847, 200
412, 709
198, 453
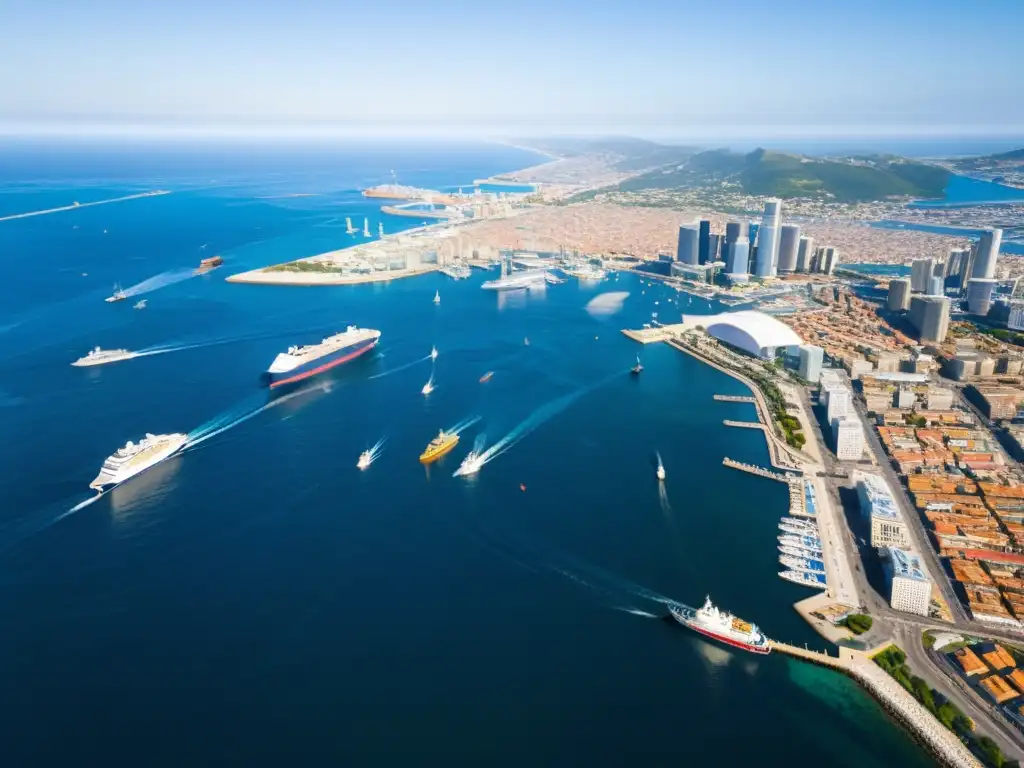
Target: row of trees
795, 438
858, 623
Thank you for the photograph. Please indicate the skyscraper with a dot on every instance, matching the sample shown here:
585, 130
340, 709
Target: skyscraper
805, 255
687, 249
988, 254
768, 239
831, 261
967, 266
936, 286
737, 257
930, 315
810, 362
921, 271
979, 295
703, 246
714, 244
789, 244
752, 228
899, 294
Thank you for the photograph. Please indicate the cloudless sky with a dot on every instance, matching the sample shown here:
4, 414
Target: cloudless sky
650, 67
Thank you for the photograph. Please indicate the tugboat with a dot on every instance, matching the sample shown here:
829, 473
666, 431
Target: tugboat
723, 626
636, 369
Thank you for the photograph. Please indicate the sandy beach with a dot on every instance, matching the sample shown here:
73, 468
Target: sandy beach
262, 277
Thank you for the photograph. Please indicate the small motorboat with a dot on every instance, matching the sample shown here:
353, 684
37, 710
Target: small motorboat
636, 369
486, 377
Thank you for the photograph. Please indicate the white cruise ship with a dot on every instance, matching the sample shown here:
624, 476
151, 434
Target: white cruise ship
102, 356
137, 457
512, 281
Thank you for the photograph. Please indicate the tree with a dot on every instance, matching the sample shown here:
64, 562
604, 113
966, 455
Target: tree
923, 693
990, 750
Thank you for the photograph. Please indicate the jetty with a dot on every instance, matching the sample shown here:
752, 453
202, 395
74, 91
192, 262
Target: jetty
735, 399
756, 470
420, 213
899, 703
744, 424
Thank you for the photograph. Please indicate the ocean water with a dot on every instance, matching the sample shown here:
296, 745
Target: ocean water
257, 600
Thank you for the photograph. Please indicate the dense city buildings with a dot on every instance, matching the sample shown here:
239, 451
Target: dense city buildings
930, 316
848, 438
921, 271
811, 358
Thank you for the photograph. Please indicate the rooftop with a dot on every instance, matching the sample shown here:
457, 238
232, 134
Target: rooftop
906, 564
878, 495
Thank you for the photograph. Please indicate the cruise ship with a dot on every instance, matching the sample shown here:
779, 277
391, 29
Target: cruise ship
513, 281
301, 362
805, 579
722, 626
814, 554
99, 356
439, 446
137, 457
804, 564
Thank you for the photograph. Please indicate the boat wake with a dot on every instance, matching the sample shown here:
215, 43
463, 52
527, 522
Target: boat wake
540, 416
376, 450
164, 279
400, 367
462, 426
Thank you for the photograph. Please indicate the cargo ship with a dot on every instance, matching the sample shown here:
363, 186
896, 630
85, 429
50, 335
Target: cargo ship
136, 458
207, 264
99, 356
805, 579
722, 626
439, 446
301, 362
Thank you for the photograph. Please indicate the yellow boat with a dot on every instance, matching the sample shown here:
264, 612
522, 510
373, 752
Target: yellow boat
439, 446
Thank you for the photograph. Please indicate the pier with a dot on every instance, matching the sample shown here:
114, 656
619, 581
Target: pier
744, 424
755, 470
420, 213
900, 704
735, 399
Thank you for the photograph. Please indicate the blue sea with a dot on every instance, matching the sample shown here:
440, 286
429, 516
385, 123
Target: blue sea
257, 600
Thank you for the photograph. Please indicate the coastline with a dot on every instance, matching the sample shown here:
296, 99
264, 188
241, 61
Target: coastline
262, 277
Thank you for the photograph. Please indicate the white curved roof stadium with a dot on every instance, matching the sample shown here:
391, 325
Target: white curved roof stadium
752, 331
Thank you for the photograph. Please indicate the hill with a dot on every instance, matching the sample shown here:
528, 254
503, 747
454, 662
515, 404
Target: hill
763, 172
622, 153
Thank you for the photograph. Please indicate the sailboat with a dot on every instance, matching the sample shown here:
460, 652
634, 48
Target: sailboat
429, 386
660, 472
366, 227
635, 370
380, 229
433, 353
349, 229
437, 297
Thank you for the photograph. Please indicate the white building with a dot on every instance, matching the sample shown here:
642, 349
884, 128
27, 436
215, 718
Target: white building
1016, 321
837, 403
910, 590
753, 332
877, 503
848, 437
811, 358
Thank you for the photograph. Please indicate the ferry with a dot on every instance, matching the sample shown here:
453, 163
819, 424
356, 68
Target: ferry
805, 579
136, 458
205, 265
365, 459
814, 554
722, 626
486, 377
439, 446
470, 465
99, 356
804, 564
118, 295
301, 362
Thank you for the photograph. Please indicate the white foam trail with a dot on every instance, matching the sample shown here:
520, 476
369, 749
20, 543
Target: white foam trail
543, 414
170, 277
75, 206
463, 425
376, 450
79, 506
400, 368
635, 612
663, 498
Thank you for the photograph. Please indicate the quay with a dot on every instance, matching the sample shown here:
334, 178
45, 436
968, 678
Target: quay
744, 424
735, 399
899, 703
419, 213
755, 470
798, 499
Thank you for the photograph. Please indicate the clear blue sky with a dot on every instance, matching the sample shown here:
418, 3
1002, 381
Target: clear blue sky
426, 66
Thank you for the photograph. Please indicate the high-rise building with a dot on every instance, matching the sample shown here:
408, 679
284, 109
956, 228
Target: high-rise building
837, 402
734, 230
967, 266
818, 259
930, 315
848, 438
805, 255
879, 506
953, 262
988, 254
979, 295
789, 244
898, 299
936, 286
703, 244
920, 271
910, 590
831, 261
687, 249
736, 263
768, 239
939, 269
714, 243
810, 362
1016, 319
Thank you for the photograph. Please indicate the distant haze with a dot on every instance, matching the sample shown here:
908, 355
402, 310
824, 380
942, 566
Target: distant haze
682, 69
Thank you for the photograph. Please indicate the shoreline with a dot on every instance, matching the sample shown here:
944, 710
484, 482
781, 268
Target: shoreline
308, 279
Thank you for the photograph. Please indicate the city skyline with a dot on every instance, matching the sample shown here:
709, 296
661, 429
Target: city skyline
497, 70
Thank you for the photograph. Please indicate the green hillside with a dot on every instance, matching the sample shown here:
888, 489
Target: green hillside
763, 172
